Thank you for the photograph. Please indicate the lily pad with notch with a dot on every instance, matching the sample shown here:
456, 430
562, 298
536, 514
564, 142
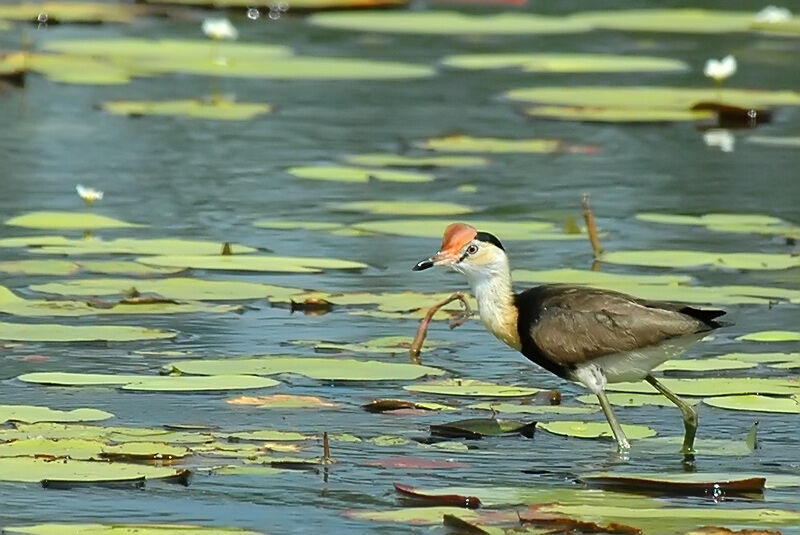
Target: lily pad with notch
476, 428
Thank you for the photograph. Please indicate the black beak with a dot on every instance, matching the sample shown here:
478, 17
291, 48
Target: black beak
423, 264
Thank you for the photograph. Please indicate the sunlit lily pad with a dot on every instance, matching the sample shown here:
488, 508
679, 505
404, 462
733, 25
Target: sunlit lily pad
150, 383
704, 364
383, 344
313, 367
462, 143
34, 413
594, 429
264, 263
433, 228
217, 108
87, 450
776, 141
539, 410
405, 208
470, 388
771, 336
268, 435
716, 386
774, 481
27, 469
55, 267
67, 220
622, 399
481, 427
49, 332
763, 358
282, 401
127, 529
72, 12
617, 114
566, 63
696, 259
397, 160
39, 267
278, 224
67, 69
126, 47
737, 223
718, 447
756, 403
341, 173
447, 23
297, 5
679, 20
144, 246
413, 515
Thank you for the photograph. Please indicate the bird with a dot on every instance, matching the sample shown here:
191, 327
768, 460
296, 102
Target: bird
582, 334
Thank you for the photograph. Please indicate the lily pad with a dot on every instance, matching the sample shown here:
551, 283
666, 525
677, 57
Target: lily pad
86, 450
216, 108
72, 12
470, 388
49, 332
763, 358
462, 143
277, 224
341, 173
143, 246
771, 336
67, 69
315, 368
34, 414
39, 267
405, 208
736, 223
697, 259
716, 386
595, 278
417, 516
384, 344
268, 435
566, 63
68, 220
150, 383
263, 263
297, 5
775, 141
432, 228
481, 427
728, 486
29, 470
55, 267
540, 410
678, 20
397, 160
756, 403
126, 529
448, 23
704, 364
283, 401
617, 114
622, 399
594, 429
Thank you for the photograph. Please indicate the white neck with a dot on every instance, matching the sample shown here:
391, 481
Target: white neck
491, 284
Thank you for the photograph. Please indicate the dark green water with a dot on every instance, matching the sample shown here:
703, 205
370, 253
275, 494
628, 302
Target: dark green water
211, 180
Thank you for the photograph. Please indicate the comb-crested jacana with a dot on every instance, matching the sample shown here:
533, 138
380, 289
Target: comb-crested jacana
582, 334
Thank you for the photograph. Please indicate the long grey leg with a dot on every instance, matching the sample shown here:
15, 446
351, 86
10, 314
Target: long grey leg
688, 412
619, 434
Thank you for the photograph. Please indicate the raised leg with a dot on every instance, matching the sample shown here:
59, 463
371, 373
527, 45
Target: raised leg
619, 434
688, 412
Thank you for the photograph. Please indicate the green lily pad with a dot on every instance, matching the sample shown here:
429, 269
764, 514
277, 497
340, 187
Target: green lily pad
447, 23
55, 267
481, 427
756, 403
786, 28
127, 529
67, 69
420, 516
737, 223
704, 364
126, 47
405, 208
341, 173
565, 63
143, 246
715, 386
471, 388
86, 450
595, 278
109, 434
283, 401
267, 435
33, 414
775, 141
594, 429
264, 263
622, 399
68, 220
678, 20
763, 358
216, 108
297, 6
313, 367
462, 143
397, 160
702, 446
39, 267
617, 114
541, 410
696, 259
433, 228
389, 440
383, 344
771, 336
30, 470
49, 332
295, 225
72, 12
150, 383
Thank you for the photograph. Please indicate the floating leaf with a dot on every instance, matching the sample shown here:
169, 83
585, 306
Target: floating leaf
67, 220
756, 403
83, 449
415, 463
389, 440
594, 429
63, 267
50, 332
462, 143
715, 487
39, 267
771, 336
773, 481
422, 516
456, 500
397, 160
432, 228
763, 358
315, 368
622, 399
283, 401
383, 344
386, 405
541, 410
27, 469
470, 387
264, 263
217, 109
71, 12
716, 386
595, 278
126, 529
617, 114
737, 223
704, 364
341, 173
33, 414
695, 259
702, 446
150, 383
775, 141
267, 434
405, 208
680, 20
95, 246
297, 5
294, 225
481, 427
566, 63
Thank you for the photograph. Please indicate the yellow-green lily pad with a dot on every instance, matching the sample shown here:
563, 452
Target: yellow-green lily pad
433, 228
470, 388
342, 173
696, 259
704, 364
737, 223
776, 141
715, 386
384, 344
29, 470
67, 69
398, 160
150, 383
35, 413
617, 114
594, 429
129, 529
623, 399
595, 278
771, 336
763, 358
216, 108
39, 267
72, 12
540, 410
462, 143
87, 450
751, 402
49, 332
264, 263
405, 208
142, 246
678, 20
313, 367
68, 220
416, 516
297, 6
295, 225
565, 63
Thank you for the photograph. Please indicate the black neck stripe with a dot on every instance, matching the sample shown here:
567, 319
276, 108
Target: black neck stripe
490, 238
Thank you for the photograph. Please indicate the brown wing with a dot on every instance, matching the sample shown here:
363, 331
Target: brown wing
573, 324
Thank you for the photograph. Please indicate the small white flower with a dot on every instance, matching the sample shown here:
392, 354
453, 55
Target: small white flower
89, 195
719, 138
220, 29
773, 14
720, 69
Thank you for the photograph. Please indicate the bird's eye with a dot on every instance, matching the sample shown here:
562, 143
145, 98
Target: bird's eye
472, 249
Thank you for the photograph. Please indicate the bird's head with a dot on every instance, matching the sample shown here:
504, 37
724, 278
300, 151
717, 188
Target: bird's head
477, 255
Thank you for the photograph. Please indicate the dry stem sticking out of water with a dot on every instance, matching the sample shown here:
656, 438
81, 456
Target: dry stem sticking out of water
591, 228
